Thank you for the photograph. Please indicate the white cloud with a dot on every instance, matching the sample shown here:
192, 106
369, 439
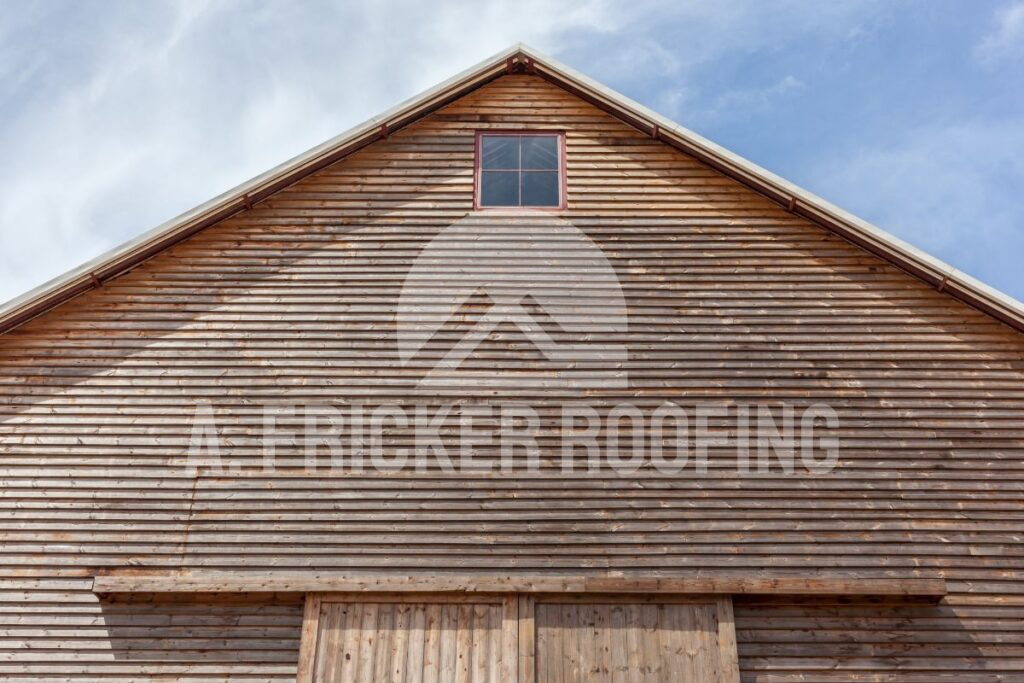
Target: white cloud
1006, 41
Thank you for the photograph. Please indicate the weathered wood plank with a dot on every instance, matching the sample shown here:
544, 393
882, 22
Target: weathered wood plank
729, 671
310, 630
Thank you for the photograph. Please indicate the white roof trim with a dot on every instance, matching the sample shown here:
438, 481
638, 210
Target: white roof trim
120, 259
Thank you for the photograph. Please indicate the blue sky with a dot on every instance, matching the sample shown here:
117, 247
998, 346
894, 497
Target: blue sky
115, 116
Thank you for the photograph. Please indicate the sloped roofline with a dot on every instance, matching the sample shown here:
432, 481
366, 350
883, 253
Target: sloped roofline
518, 58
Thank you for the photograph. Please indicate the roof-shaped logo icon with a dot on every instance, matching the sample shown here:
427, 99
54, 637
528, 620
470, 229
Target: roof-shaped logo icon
493, 279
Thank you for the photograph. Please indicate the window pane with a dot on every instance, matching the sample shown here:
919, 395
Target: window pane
540, 151
499, 188
499, 151
540, 188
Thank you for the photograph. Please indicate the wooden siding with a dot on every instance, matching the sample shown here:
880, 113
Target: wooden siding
731, 300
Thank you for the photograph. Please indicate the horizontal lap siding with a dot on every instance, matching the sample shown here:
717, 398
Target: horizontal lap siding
58, 630
967, 637
731, 300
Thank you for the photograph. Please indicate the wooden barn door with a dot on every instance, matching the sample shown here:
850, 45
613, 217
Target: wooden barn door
443, 638
602, 640
409, 639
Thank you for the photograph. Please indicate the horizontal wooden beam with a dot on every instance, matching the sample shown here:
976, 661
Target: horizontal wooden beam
195, 582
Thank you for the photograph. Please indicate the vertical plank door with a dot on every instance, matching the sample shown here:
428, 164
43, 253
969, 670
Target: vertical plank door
624, 642
412, 640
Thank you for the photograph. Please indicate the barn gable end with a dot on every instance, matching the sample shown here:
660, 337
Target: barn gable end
733, 298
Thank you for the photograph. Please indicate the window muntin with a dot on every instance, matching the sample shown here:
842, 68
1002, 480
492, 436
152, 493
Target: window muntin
520, 170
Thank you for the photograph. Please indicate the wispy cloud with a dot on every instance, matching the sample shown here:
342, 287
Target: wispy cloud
953, 190
739, 104
1006, 40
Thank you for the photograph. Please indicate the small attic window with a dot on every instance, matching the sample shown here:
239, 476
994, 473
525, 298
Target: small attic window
517, 169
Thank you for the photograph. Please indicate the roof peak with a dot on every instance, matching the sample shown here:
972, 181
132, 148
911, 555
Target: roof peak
797, 200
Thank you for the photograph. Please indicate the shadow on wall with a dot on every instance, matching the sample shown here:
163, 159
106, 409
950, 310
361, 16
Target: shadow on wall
846, 639
820, 639
195, 633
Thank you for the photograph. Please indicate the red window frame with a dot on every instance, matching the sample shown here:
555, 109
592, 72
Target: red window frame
478, 168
